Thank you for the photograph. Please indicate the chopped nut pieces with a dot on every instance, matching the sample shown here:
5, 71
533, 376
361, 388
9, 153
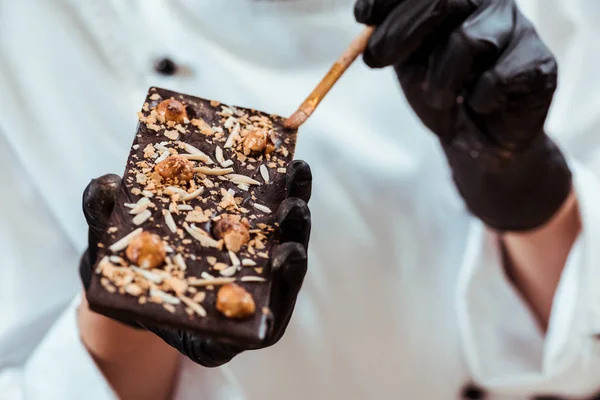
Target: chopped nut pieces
172, 110
198, 297
234, 301
177, 285
176, 168
233, 230
202, 126
146, 250
255, 141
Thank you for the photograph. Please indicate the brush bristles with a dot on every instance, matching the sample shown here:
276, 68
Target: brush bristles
295, 120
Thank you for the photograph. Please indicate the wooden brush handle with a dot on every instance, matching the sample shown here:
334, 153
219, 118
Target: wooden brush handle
356, 48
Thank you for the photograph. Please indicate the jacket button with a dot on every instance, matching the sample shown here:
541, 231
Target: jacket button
472, 392
165, 66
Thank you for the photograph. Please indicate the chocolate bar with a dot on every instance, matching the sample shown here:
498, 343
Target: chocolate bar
189, 242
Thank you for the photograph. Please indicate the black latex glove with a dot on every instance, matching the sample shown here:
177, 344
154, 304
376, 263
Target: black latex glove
478, 75
289, 263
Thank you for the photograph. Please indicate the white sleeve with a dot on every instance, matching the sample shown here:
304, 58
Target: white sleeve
61, 367
505, 350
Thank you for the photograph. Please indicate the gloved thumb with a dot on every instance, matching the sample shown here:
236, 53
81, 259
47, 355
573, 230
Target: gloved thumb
98, 203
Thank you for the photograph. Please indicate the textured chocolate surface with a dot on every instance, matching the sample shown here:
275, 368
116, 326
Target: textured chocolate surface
107, 292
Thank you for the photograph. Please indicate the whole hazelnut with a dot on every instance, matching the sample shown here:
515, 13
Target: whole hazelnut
146, 250
176, 167
233, 230
172, 110
233, 301
255, 141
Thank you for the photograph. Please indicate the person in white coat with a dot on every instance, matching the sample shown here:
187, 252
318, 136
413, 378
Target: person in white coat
408, 294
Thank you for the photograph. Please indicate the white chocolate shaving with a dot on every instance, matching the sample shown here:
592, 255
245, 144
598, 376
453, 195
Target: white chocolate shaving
252, 279
175, 190
193, 150
226, 163
124, 241
161, 147
211, 282
219, 155
229, 271
206, 275
141, 206
234, 133
142, 217
162, 157
264, 172
201, 236
234, 259
262, 208
197, 308
229, 123
151, 276
167, 298
169, 221
213, 171
246, 262
246, 180
114, 259
180, 262
193, 195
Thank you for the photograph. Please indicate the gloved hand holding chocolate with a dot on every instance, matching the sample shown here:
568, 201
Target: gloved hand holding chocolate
480, 78
204, 240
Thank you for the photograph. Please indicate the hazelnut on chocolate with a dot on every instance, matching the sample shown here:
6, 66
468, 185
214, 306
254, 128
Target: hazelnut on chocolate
176, 167
233, 230
172, 110
233, 301
146, 250
256, 141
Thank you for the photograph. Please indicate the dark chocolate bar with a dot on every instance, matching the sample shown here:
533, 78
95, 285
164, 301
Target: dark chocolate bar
190, 239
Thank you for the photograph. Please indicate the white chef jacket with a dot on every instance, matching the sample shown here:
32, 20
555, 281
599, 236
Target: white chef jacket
405, 297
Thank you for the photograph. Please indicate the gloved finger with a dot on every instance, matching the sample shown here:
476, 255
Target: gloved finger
471, 49
373, 12
299, 180
98, 202
524, 79
288, 266
414, 26
294, 221
204, 351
